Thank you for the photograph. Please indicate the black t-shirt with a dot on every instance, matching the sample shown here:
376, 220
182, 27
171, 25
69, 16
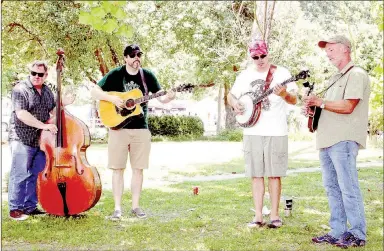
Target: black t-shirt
119, 80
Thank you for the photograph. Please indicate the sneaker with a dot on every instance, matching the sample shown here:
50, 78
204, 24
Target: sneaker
17, 215
139, 213
325, 239
349, 240
115, 216
35, 211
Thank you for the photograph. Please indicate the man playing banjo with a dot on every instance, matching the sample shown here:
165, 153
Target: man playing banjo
265, 143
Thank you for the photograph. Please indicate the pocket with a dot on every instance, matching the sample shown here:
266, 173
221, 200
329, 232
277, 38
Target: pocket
279, 158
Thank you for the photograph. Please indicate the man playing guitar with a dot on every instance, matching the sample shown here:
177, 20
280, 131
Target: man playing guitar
134, 137
266, 142
341, 132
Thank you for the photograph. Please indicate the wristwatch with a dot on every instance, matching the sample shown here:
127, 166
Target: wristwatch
322, 106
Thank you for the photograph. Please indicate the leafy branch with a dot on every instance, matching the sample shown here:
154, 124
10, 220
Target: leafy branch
13, 25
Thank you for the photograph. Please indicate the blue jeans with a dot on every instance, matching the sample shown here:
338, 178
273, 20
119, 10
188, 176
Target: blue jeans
27, 163
338, 164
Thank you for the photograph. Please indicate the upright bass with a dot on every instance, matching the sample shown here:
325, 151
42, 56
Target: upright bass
68, 185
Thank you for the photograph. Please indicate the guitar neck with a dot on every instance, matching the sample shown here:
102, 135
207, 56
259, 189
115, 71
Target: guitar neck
149, 97
270, 90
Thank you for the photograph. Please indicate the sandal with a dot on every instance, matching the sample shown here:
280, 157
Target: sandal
275, 224
255, 224
139, 213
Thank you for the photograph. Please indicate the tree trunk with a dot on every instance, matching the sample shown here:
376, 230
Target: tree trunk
219, 102
230, 122
102, 65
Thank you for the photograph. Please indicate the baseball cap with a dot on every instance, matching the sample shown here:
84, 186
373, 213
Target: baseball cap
338, 39
131, 48
258, 47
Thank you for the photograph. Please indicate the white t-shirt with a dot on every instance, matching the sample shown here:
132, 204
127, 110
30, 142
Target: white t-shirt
273, 115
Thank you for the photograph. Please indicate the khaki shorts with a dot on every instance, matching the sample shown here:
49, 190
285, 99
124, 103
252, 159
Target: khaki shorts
265, 156
136, 142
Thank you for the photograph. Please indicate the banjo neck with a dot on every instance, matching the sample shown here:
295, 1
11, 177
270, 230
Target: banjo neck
270, 90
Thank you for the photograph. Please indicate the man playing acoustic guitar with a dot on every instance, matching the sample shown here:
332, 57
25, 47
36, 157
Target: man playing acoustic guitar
266, 142
133, 137
342, 130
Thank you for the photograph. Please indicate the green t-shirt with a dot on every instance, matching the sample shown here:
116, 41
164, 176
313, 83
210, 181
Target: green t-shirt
119, 80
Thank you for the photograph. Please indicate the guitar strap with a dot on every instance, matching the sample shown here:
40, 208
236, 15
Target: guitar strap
143, 81
324, 91
269, 78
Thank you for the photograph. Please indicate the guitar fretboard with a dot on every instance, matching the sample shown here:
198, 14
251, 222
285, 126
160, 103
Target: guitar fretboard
270, 90
155, 95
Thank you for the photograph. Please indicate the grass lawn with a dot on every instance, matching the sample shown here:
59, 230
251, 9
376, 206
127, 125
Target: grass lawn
213, 220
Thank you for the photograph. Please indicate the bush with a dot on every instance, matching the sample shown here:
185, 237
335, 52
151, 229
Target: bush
99, 135
175, 126
231, 135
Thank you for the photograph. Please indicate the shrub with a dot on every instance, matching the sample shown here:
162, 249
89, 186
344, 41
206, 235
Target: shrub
175, 126
99, 135
231, 135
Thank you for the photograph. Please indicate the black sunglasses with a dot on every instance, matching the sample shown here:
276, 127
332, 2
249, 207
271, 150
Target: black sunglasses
139, 54
40, 74
257, 57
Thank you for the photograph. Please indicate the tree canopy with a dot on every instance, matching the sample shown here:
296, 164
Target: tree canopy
192, 41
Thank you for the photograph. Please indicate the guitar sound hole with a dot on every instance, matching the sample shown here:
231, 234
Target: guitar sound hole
130, 103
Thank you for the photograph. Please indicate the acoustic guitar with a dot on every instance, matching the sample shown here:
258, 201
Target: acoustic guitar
314, 112
115, 117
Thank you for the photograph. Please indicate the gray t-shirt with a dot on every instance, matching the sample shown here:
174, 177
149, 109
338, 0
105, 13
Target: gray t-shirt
335, 127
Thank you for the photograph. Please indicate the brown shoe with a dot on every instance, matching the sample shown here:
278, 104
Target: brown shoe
17, 215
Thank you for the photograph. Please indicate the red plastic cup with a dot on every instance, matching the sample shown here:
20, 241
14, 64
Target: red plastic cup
195, 190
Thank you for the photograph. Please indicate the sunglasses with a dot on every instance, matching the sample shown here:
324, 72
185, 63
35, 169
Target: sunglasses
257, 57
40, 74
139, 54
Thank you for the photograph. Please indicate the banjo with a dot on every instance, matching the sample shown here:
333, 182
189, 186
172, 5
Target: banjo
252, 104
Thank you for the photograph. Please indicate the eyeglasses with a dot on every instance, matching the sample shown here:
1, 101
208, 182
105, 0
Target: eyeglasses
139, 54
40, 74
257, 57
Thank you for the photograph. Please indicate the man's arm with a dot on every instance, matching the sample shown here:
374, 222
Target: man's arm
289, 97
167, 98
345, 106
98, 94
237, 106
28, 119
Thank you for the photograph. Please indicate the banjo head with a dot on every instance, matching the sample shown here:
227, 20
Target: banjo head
248, 109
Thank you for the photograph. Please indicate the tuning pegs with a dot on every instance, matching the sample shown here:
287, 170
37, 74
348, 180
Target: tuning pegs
306, 84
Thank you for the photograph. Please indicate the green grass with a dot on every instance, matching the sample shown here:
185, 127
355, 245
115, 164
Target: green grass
237, 166
213, 220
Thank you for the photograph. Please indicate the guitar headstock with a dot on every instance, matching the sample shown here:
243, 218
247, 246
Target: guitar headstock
302, 75
184, 87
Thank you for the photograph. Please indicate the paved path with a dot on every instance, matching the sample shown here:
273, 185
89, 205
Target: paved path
169, 157
289, 172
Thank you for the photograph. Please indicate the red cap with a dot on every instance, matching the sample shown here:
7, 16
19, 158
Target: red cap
258, 47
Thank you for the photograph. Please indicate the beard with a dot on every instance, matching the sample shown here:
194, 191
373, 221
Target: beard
135, 64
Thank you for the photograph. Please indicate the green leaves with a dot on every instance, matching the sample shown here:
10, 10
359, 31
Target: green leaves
107, 17
85, 18
110, 25
125, 31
